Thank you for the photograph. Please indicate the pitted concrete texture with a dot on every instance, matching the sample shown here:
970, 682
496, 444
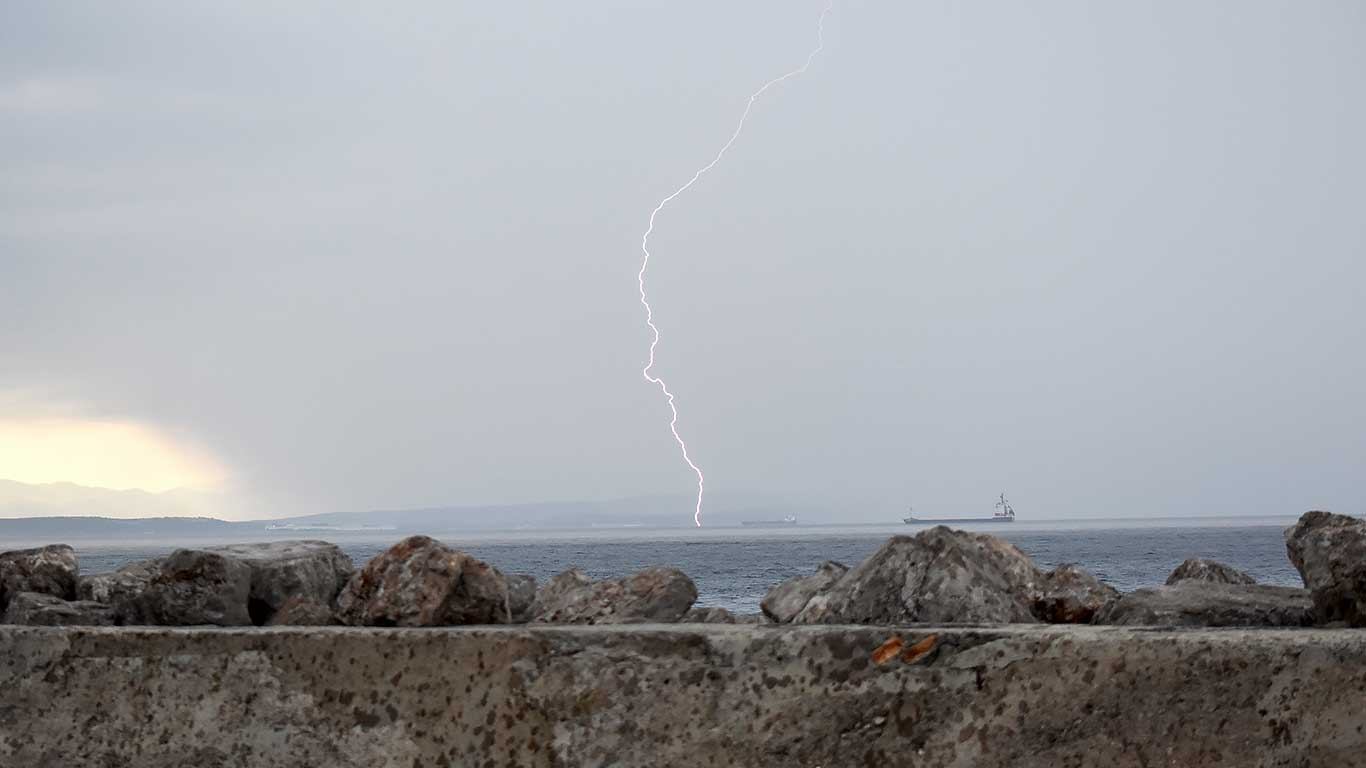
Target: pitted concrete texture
682, 695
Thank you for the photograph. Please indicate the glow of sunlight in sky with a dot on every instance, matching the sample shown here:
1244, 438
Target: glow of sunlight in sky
105, 454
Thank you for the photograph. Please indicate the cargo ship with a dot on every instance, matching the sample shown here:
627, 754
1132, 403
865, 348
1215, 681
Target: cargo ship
1003, 514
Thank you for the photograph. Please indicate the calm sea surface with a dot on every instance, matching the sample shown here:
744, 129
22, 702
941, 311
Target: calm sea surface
734, 567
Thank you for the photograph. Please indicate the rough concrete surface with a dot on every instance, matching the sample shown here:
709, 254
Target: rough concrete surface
682, 695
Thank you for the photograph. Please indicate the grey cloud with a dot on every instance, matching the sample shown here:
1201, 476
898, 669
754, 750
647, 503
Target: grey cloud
1106, 258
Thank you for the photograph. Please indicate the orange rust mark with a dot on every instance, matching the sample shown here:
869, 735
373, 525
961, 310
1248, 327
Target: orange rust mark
888, 650
917, 652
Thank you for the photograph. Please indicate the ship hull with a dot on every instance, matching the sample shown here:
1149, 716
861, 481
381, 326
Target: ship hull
766, 523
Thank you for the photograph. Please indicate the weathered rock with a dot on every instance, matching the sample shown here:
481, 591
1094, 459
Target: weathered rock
315, 571
420, 582
682, 696
196, 586
521, 595
40, 610
708, 616
785, 601
1210, 604
303, 612
939, 575
50, 570
1329, 551
1071, 595
121, 590
1200, 569
654, 594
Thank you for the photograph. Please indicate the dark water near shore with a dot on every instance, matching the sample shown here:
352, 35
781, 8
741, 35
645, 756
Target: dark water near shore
733, 568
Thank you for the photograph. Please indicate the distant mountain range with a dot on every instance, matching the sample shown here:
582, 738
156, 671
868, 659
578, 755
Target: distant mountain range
63, 511
66, 499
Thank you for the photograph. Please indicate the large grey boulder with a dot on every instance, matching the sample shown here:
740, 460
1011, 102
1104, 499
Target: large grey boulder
314, 571
521, 595
1071, 595
196, 586
40, 610
654, 594
785, 601
420, 582
121, 590
50, 570
1200, 569
939, 575
1329, 551
1210, 604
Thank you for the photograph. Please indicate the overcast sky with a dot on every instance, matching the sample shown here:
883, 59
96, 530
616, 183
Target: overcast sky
1105, 257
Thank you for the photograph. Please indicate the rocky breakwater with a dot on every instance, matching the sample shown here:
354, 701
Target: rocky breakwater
237, 585
947, 576
938, 576
418, 582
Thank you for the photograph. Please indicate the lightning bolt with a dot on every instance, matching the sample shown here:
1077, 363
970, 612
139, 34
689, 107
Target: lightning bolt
645, 248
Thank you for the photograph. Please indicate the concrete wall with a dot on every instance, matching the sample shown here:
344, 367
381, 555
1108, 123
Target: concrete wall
682, 696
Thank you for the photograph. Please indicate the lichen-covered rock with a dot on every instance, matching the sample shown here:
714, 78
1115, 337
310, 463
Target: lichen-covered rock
420, 582
315, 571
708, 616
50, 570
785, 601
1329, 551
654, 594
40, 610
1210, 604
939, 575
196, 586
121, 590
521, 595
1071, 595
1200, 569
303, 612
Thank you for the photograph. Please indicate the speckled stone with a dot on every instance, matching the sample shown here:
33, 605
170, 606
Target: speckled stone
1200, 569
939, 575
649, 595
1329, 551
50, 570
682, 695
787, 599
1210, 604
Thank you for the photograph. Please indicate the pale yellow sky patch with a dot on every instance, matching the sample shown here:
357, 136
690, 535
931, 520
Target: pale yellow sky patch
104, 454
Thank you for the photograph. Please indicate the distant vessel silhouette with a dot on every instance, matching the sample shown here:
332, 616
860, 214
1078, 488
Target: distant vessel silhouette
789, 520
1003, 514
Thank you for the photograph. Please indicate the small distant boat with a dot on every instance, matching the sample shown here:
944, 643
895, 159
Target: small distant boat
1003, 514
789, 520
